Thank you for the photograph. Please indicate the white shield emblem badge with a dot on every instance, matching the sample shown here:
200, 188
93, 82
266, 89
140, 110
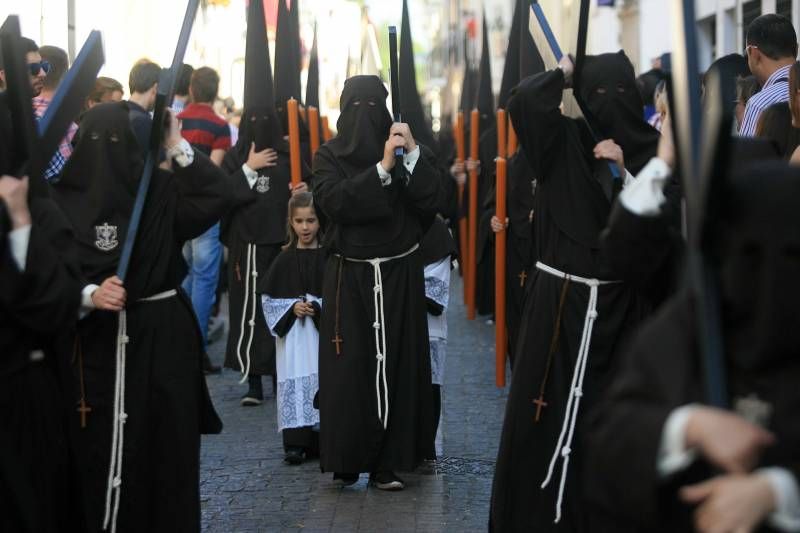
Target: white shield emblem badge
262, 184
106, 237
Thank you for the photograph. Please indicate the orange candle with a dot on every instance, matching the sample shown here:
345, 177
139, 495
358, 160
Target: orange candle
501, 339
294, 141
501, 133
326, 131
473, 215
462, 220
313, 128
512, 138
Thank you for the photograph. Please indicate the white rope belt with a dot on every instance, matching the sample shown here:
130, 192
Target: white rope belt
380, 331
114, 485
576, 388
249, 287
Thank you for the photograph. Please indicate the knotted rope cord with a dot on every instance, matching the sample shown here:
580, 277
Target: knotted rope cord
576, 386
380, 331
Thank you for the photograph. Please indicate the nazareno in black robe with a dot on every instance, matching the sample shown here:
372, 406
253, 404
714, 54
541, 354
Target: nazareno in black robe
662, 370
166, 398
573, 199
256, 221
749, 238
368, 220
294, 275
38, 485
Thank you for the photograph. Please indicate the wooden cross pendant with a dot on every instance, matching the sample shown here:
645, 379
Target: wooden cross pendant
83, 409
238, 272
522, 276
540, 404
337, 340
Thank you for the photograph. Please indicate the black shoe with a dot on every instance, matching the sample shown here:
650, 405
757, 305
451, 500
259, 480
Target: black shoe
294, 456
255, 392
386, 480
346, 478
209, 367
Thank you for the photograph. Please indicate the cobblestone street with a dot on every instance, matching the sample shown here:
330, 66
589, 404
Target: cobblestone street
245, 485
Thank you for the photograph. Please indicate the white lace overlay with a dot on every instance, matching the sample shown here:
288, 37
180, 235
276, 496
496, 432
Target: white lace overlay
438, 357
296, 362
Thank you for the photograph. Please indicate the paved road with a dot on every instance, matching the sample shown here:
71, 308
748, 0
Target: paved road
245, 486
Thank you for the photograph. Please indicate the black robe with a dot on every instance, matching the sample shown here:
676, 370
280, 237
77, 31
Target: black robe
368, 220
167, 401
37, 307
661, 371
572, 203
484, 247
258, 217
294, 274
520, 256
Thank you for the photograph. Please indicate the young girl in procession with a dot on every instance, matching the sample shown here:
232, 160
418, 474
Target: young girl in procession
292, 304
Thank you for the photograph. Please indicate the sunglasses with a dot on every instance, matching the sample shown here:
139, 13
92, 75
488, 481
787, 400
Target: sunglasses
36, 67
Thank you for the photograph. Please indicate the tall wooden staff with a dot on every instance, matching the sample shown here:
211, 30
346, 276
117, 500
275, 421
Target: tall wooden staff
461, 155
473, 214
294, 141
313, 126
501, 338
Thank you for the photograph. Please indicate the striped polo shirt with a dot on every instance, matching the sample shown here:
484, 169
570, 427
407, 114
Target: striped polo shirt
204, 129
775, 90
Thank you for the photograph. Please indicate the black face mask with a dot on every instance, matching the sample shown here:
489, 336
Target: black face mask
364, 123
759, 258
608, 87
261, 126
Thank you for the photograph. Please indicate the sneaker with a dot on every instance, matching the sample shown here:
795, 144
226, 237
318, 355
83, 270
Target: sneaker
294, 456
346, 478
250, 400
209, 367
386, 480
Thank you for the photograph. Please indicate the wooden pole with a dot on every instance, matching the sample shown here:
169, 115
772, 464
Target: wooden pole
512, 139
313, 128
294, 141
326, 131
501, 335
473, 215
461, 155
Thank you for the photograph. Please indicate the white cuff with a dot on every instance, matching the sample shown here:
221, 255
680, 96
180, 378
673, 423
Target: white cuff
250, 175
383, 174
18, 239
86, 297
786, 516
644, 195
182, 153
410, 159
673, 456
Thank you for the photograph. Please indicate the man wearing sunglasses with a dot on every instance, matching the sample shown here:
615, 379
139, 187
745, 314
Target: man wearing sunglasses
37, 70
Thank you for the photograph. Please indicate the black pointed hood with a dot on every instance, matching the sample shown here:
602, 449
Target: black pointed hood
410, 103
511, 66
287, 54
312, 83
468, 89
530, 60
260, 123
257, 67
485, 97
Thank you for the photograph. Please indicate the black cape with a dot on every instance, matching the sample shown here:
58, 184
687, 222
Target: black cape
572, 206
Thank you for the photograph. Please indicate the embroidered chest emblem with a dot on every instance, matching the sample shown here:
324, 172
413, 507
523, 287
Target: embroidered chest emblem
106, 237
262, 184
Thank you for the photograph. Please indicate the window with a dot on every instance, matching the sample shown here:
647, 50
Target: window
784, 7
750, 11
